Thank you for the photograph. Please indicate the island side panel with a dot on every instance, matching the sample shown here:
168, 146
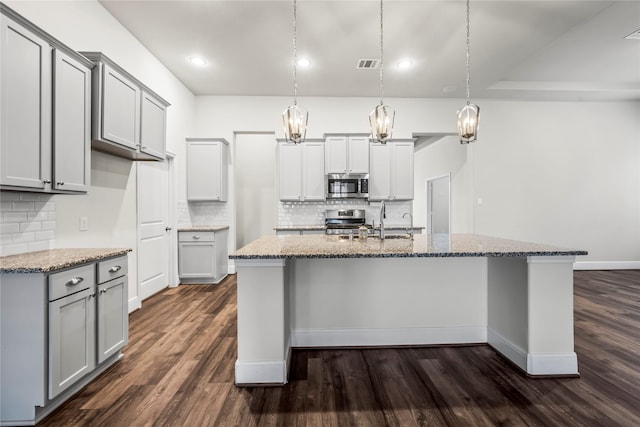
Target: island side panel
263, 331
388, 301
550, 310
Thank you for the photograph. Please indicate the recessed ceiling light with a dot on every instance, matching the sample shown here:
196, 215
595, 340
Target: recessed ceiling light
196, 60
405, 63
304, 62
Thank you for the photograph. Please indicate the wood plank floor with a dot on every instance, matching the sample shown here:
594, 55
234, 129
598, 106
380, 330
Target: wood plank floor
178, 371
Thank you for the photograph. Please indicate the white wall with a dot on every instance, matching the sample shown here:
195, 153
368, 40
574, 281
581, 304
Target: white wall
110, 204
564, 173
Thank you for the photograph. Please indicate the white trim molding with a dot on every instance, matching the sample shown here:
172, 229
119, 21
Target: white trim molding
552, 364
250, 373
511, 351
134, 304
606, 265
386, 337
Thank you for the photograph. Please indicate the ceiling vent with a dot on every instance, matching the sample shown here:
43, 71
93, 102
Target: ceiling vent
367, 64
634, 36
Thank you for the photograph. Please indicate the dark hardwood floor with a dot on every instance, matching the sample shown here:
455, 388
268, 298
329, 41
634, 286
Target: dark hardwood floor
178, 371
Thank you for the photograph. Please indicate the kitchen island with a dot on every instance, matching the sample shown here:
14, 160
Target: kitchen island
327, 291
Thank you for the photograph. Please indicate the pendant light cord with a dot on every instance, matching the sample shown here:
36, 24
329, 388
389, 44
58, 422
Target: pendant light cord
468, 59
381, 55
295, 55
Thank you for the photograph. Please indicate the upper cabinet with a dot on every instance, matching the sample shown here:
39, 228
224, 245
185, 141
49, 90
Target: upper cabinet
346, 154
207, 169
46, 106
129, 119
301, 171
391, 173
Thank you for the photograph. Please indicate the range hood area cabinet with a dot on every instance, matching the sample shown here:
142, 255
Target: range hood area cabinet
128, 119
346, 155
207, 169
301, 171
391, 171
45, 143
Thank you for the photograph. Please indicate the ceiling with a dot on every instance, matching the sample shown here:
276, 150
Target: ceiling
554, 50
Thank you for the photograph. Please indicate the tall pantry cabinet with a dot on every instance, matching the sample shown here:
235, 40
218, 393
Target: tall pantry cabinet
45, 123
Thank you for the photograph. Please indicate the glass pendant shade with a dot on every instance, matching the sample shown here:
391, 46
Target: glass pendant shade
381, 120
468, 120
295, 120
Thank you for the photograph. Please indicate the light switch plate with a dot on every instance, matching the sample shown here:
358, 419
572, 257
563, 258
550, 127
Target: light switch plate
84, 223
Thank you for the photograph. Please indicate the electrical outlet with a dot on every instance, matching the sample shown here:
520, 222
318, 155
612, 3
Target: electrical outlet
84, 223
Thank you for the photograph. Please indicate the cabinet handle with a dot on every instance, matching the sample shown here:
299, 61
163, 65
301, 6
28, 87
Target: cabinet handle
114, 269
92, 295
196, 236
103, 291
143, 148
168, 228
60, 183
74, 281
46, 181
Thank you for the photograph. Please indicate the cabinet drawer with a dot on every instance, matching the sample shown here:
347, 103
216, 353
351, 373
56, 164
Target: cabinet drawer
71, 281
112, 269
196, 236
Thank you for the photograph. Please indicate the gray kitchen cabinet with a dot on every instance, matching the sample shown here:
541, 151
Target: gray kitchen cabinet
346, 155
112, 308
46, 101
68, 321
128, 118
202, 256
207, 169
301, 171
391, 171
72, 350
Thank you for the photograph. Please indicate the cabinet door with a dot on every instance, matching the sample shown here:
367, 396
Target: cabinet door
120, 109
379, 172
358, 154
153, 126
313, 172
72, 349
72, 124
290, 171
113, 317
25, 124
402, 171
206, 170
336, 154
197, 260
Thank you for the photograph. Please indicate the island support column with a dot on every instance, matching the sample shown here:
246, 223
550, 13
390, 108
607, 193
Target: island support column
530, 313
263, 322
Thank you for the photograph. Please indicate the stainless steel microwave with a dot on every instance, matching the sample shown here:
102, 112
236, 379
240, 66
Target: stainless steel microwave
353, 186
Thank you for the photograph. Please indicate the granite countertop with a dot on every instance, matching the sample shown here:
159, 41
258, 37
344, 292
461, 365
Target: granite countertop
56, 259
204, 228
456, 245
300, 228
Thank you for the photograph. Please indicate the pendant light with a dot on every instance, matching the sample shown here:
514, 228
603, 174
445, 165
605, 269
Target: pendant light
469, 116
382, 117
295, 118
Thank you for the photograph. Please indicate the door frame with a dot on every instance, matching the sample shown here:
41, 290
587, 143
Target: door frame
429, 182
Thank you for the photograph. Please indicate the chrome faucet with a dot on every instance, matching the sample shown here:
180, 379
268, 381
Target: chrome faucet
410, 228
383, 215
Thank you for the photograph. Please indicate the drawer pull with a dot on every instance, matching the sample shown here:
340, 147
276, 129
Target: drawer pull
197, 236
115, 269
74, 281
103, 291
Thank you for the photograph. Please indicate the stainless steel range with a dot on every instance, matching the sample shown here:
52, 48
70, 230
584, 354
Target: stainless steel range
344, 221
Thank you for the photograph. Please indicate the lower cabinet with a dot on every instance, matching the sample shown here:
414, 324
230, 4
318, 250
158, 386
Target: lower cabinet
59, 331
202, 256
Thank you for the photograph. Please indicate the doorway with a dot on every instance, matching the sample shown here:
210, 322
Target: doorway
255, 185
439, 205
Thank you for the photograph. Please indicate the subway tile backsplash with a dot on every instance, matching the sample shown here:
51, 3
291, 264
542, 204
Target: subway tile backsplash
27, 222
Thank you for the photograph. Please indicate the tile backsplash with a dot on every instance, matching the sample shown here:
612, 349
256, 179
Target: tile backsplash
203, 213
27, 222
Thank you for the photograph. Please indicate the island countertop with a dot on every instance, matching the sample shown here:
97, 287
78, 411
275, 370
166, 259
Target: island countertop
203, 228
56, 259
455, 245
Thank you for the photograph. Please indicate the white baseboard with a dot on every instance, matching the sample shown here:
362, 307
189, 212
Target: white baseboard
231, 268
134, 304
606, 265
552, 364
386, 337
534, 363
507, 348
249, 373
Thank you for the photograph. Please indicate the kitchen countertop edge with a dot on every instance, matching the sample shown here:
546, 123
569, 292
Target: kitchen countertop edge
204, 228
52, 260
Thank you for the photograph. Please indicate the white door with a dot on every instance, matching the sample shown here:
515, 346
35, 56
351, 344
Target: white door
153, 226
439, 205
